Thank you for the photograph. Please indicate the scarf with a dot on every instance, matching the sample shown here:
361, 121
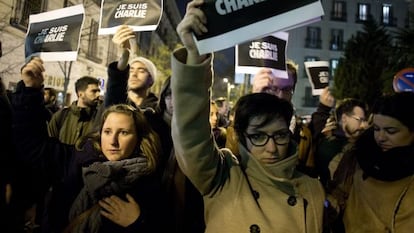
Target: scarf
391, 165
103, 179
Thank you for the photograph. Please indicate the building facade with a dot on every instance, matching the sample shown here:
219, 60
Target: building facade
95, 51
325, 40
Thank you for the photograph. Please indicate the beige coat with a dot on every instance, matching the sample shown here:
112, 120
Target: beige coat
236, 200
367, 211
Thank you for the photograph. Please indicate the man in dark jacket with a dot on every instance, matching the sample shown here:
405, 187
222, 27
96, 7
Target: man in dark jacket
131, 81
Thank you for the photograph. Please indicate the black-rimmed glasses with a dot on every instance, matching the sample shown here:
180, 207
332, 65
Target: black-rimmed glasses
261, 139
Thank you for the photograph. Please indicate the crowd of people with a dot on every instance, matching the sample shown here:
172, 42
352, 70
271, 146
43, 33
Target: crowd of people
182, 162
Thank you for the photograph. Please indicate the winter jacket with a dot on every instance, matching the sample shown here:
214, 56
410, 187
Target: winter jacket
238, 196
71, 123
45, 162
376, 187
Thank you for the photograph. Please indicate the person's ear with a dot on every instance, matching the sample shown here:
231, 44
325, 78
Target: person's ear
80, 94
344, 118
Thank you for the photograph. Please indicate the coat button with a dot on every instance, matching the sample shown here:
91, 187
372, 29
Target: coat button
254, 228
256, 194
291, 200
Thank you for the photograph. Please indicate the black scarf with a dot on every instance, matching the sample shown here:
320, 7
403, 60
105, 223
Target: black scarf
391, 165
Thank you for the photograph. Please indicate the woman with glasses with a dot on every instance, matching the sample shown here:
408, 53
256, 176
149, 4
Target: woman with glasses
260, 191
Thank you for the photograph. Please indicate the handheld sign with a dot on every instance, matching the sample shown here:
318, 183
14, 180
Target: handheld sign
231, 22
269, 52
55, 35
404, 80
140, 15
318, 74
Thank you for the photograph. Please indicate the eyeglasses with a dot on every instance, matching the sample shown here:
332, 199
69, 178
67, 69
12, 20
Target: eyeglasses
359, 119
261, 139
276, 90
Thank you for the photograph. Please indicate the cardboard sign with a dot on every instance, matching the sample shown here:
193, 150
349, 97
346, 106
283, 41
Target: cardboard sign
318, 74
140, 15
55, 35
231, 22
404, 80
269, 52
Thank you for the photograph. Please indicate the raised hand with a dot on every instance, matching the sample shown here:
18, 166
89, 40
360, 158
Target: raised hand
32, 73
262, 80
194, 21
122, 37
326, 98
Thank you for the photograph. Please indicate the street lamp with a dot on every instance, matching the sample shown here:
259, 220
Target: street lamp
229, 87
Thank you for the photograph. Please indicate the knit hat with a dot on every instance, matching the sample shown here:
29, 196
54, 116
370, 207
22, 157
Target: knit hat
148, 64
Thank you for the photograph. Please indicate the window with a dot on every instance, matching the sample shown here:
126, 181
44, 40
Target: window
387, 15
92, 53
112, 52
309, 100
333, 65
339, 11
23, 9
337, 39
363, 12
313, 38
311, 58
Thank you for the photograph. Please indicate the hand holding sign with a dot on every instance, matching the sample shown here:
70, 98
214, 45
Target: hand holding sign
122, 37
262, 80
194, 21
32, 73
326, 98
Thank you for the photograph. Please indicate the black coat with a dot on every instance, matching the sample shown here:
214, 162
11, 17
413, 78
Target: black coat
45, 163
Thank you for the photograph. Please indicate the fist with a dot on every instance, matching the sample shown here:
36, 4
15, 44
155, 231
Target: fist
32, 73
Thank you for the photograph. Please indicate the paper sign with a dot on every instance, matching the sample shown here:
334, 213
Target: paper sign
231, 22
318, 74
269, 52
55, 35
404, 80
141, 15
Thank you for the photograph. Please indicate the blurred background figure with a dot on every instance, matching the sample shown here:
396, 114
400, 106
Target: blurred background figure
223, 107
219, 132
380, 166
50, 97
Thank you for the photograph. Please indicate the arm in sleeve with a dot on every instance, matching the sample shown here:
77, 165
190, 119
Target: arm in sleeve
197, 154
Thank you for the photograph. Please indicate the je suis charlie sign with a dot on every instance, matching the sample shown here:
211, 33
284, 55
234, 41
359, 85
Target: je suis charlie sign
140, 15
231, 22
269, 52
55, 35
318, 75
